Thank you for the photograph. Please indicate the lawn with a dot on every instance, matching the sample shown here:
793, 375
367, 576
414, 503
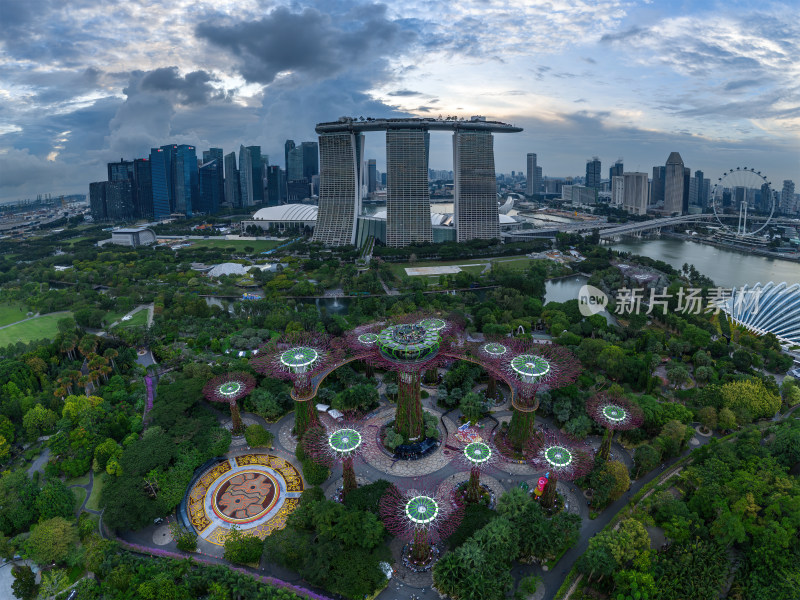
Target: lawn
82, 480
137, 320
94, 498
11, 313
80, 495
240, 245
44, 327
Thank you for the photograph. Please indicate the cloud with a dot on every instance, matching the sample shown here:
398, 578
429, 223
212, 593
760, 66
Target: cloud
192, 88
307, 43
405, 93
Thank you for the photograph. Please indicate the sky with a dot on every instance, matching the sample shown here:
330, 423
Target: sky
83, 82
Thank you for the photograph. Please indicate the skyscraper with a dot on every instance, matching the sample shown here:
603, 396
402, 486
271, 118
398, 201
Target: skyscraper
212, 187
185, 179
294, 170
657, 186
475, 187
111, 200
616, 170
617, 191
635, 193
699, 200
787, 197
143, 188
97, 200
160, 170
340, 188
120, 171
211, 154
673, 184
288, 146
408, 203
310, 159
276, 185
251, 179
372, 175
593, 170
687, 178
532, 176
233, 193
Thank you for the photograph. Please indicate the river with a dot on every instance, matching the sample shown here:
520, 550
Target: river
727, 268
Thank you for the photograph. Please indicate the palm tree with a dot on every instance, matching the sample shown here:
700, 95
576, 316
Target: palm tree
110, 355
84, 380
88, 344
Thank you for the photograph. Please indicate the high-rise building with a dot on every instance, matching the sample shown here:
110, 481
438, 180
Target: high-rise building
687, 177
593, 173
696, 197
97, 200
616, 170
161, 177
475, 187
657, 186
142, 188
233, 193
211, 154
276, 185
212, 187
617, 190
674, 176
294, 170
787, 197
408, 203
120, 171
251, 179
372, 175
288, 146
635, 193
532, 176
111, 200
185, 179
310, 159
340, 155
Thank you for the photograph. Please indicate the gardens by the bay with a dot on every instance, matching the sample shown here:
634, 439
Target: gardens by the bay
432, 477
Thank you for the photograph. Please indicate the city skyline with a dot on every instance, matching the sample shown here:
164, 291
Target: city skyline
709, 80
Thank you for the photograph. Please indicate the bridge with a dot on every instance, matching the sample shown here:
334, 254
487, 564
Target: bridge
610, 230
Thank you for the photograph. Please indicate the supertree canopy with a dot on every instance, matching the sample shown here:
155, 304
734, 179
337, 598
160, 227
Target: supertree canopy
529, 368
341, 443
230, 388
409, 346
302, 359
422, 517
562, 456
614, 413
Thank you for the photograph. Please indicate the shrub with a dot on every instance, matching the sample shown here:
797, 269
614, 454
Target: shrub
241, 548
392, 439
257, 436
367, 497
315, 473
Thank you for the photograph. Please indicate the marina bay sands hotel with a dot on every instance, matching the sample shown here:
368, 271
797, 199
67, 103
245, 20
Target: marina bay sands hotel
408, 210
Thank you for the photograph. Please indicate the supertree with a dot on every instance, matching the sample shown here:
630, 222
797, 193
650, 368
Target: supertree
408, 346
340, 443
421, 517
614, 413
304, 359
479, 456
562, 456
528, 368
230, 388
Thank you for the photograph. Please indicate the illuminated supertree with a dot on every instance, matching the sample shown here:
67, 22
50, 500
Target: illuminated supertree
479, 456
562, 456
340, 443
409, 346
614, 413
302, 359
530, 368
230, 388
421, 517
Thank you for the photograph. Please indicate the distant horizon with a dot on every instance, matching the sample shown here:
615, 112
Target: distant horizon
714, 80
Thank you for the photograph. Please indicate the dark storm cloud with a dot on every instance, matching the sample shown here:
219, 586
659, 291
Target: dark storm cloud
193, 88
307, 42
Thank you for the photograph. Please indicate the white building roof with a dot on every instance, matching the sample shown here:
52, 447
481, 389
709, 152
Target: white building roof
228, 269
287, 212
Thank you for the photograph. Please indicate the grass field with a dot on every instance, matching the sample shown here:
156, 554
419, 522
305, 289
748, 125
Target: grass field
11, 313
79, 494
82, 480
44, 327
137, 320
94, 498
240, 245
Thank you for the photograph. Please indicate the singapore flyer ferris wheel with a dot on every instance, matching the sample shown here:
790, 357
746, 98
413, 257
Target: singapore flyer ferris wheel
739, 192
